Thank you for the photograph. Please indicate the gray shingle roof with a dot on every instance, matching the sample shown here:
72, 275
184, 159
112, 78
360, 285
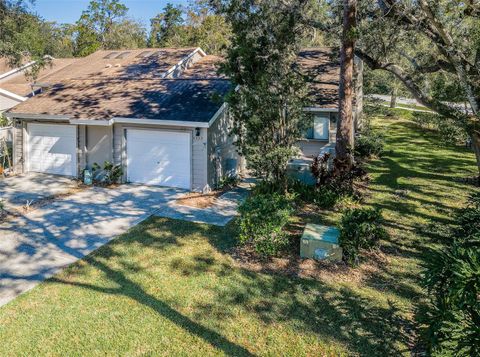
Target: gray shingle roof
166, 99
135, 89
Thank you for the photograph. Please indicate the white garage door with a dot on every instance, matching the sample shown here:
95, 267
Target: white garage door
52, 149
160, 158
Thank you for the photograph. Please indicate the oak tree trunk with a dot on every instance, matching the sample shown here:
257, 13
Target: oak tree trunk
393, 99
344, 144
475, 136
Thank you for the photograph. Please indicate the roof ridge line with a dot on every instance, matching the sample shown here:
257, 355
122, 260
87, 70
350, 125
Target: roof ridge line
184, 61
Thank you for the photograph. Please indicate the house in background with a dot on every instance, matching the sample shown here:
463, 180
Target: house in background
15, 88
159, 113
322, 67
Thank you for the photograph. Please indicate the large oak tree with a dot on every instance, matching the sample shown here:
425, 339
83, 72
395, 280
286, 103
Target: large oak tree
414, 40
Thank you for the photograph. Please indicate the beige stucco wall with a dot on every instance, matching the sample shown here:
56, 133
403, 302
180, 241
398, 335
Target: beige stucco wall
99, 145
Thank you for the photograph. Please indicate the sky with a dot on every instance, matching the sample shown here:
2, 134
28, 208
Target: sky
68, 11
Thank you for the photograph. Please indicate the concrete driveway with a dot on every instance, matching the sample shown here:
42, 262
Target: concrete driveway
16, 191
36, 246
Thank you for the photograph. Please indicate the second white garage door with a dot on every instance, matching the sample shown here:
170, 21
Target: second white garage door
159, 158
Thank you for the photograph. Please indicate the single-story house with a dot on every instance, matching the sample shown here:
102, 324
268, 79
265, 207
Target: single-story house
16, 88
158, 113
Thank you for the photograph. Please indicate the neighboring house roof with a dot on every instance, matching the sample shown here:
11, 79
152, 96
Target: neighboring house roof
322, 66
133, 84
19, 84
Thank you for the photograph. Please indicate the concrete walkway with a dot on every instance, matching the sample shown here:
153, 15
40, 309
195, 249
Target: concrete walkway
38, 245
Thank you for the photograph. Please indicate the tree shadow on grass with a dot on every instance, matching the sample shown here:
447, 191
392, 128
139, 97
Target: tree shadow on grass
333, 313
128, 288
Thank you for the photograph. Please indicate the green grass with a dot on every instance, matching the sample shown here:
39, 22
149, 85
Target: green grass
168, 288
412, 106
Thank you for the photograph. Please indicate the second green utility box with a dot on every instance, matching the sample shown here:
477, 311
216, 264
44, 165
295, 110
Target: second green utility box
320, 242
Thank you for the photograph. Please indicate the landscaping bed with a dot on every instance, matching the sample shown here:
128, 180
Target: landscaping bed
199, 200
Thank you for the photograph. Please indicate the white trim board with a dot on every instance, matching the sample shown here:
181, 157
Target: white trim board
11, 95
93, 122
21, 68
318, 109
191, 124
37, 116
17, 70
217, 114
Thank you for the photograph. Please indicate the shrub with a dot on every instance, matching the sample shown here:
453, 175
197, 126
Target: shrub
4, 120
369, 144
228, 181
262, 219
469, 218
322, 196
330, 187
360, 228
375, 107
109, 174
452, 278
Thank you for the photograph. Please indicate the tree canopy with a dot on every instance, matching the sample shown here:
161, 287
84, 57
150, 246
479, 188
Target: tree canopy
428, 42
104, 25
193, 25
270, 94
167, 27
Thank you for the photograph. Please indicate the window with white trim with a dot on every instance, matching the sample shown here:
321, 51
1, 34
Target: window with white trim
320, 127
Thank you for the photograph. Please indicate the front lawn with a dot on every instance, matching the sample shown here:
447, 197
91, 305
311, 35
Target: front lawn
170, 288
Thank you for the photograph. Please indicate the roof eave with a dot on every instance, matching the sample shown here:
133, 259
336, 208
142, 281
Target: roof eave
110, 122
321, 109
14, 115
160, 122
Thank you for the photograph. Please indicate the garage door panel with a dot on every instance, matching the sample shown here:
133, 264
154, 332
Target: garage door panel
161, 158
52, 149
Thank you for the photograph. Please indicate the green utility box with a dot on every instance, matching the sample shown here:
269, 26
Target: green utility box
320, 242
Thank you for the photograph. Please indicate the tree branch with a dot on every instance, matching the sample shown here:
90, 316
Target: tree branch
432, 68
410, 83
